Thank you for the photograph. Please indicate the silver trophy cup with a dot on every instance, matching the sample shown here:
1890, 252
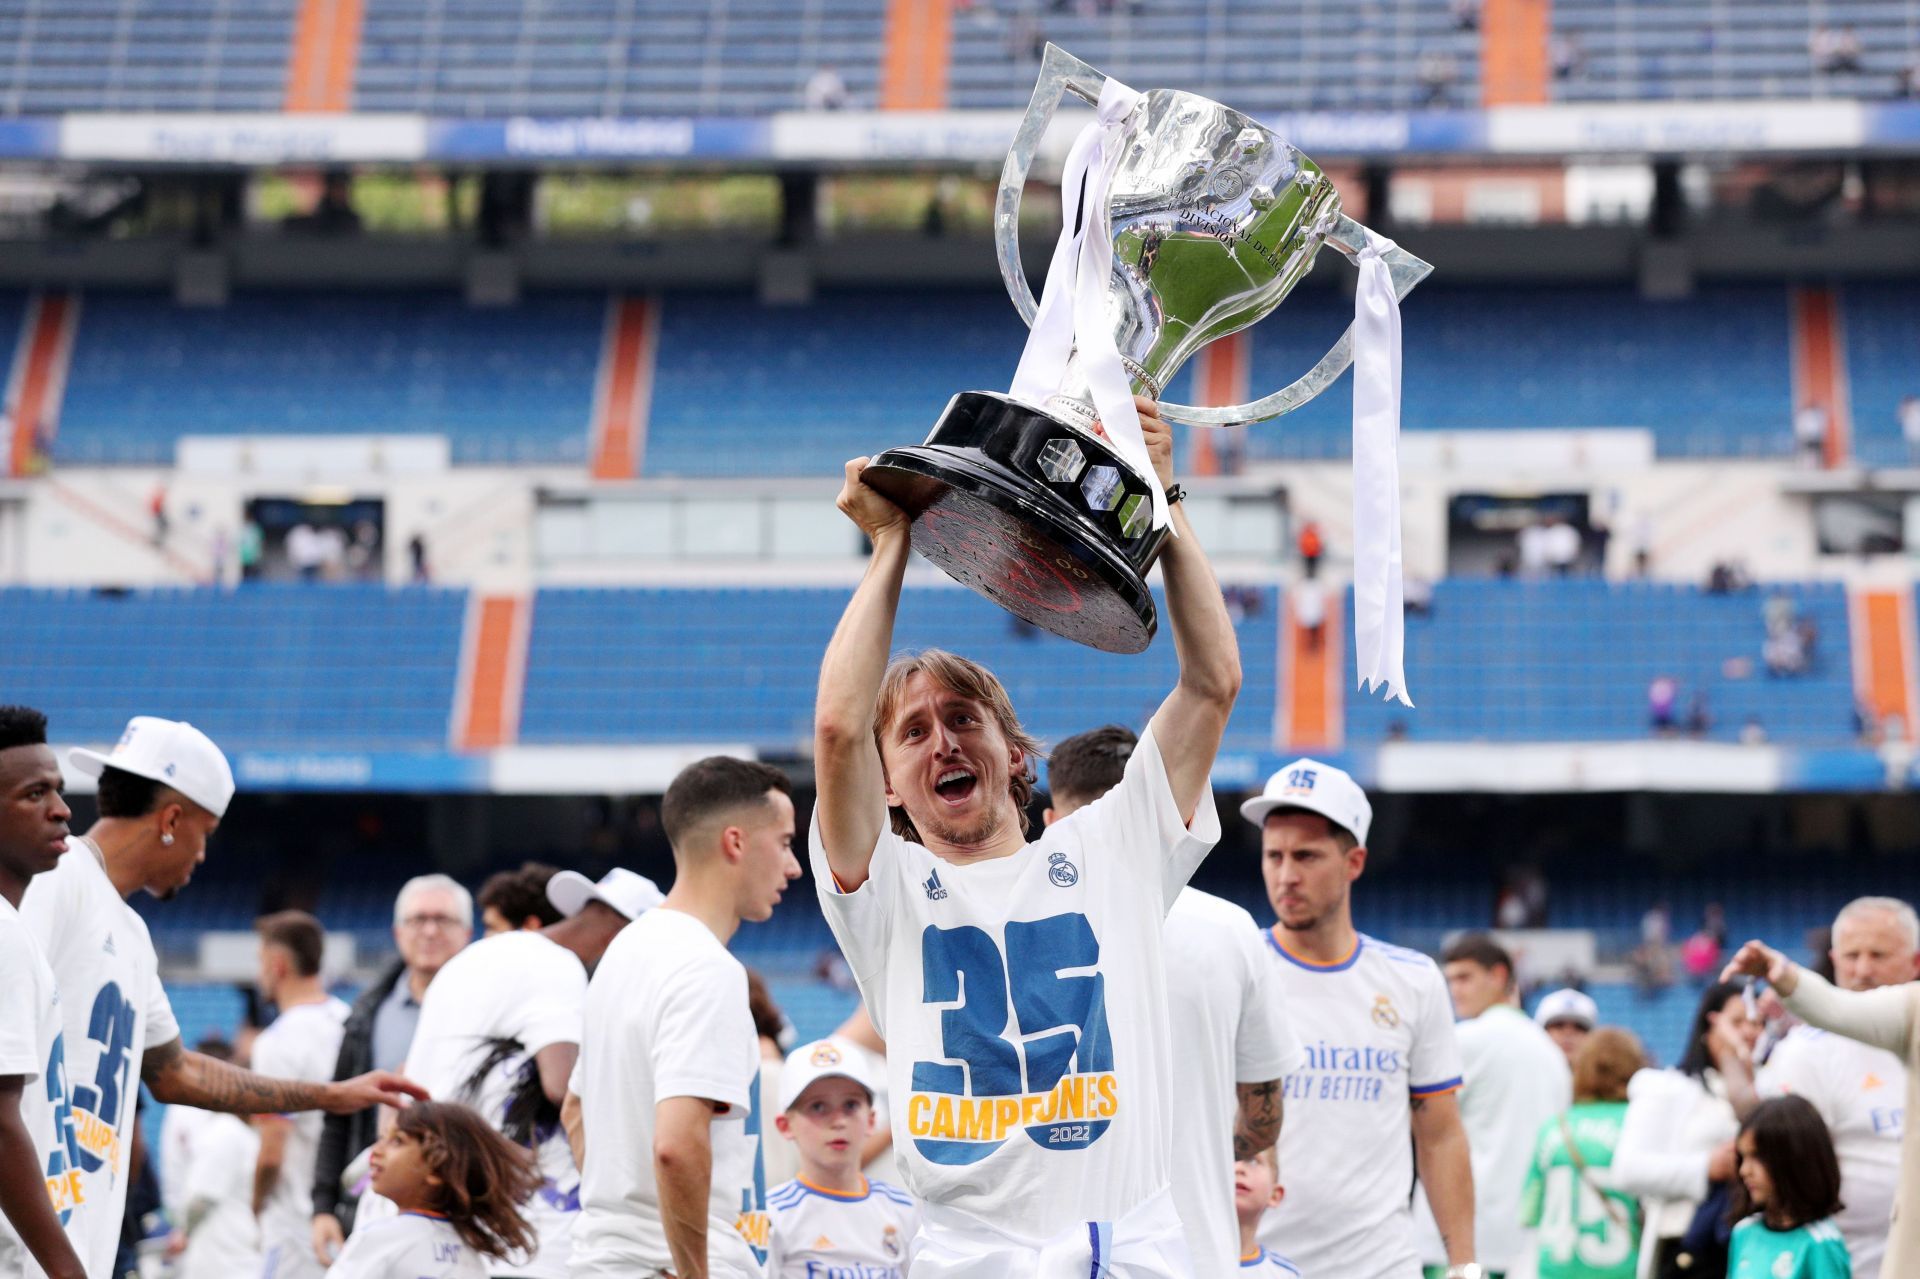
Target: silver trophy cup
1214, 218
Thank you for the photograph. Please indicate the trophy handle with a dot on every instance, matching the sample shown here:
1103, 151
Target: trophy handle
1060, 72
1349, 237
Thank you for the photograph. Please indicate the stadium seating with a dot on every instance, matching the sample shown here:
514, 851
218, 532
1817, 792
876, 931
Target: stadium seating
769, 642
144, 55
1572, 660
1695, 49
296, 668
508, 386
1882, 334
590, 58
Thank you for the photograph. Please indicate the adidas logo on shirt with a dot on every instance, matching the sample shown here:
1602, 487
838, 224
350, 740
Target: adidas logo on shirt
823, 1243
935, 890
108, 948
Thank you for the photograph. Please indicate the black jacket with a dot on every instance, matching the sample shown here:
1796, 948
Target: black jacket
345, 1136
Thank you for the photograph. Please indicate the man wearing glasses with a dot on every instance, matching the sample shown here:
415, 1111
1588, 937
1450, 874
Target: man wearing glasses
432, 922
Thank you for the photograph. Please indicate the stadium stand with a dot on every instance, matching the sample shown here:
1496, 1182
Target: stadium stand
507, 386
1882, 336
143, 55
590, 58
262, 668
1572, 660
1694, 49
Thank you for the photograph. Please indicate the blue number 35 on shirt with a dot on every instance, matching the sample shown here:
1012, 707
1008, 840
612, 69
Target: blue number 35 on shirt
1051, 1079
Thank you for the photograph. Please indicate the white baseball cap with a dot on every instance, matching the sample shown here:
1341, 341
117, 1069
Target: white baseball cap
808, 1064
631, 894
1567, 1005
171, 752
1317, 788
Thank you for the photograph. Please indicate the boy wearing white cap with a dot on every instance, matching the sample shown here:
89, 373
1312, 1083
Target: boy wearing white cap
1377, 1026
500, 1029
831, 1220
162, 791
1568, 1016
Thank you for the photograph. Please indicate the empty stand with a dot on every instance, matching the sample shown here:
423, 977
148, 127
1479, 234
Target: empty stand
1883, 367
509, 386
297, 668
1571, 661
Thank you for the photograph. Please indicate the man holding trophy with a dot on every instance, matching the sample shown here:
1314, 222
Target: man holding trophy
1020, 985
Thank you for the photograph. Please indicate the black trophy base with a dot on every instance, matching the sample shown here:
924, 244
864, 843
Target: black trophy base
1040, 517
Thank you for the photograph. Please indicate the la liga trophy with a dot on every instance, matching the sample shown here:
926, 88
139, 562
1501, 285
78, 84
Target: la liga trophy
1185, 221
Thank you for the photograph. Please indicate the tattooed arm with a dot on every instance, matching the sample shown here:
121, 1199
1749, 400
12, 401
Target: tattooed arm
1446, 1171
1256, 1126
180, 1077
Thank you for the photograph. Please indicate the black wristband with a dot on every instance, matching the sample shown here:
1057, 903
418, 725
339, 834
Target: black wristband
1175, 493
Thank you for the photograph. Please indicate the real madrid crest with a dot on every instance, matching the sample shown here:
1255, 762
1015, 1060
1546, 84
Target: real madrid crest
1384, 1013
890, 1243
1061, 871
825, 1054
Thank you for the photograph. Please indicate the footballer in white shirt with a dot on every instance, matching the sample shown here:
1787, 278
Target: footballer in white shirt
666, 1117
1381, 1062
303, 1042
1860, 1090
40, 1188
162, 792
1019, 986
831, 1221
1225, 1012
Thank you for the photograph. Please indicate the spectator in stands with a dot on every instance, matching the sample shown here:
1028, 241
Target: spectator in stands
1753, 732
1810, 434
1857, 1087
501, 1028
1569, 1016
157, 512
1699, 714
1352, 997
1223, 1005
1586, 1227
432, 922
1835, 50
1437, 73
1662, 695
1566, 54
302, 1042
659, 1122
1880, 1017
1312, 547
418, 571
517, 899
1561, 546
162, 792
1466, 14
1676, 1145
825, 91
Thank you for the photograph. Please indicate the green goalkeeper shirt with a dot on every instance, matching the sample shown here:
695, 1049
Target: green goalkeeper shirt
1585, 1228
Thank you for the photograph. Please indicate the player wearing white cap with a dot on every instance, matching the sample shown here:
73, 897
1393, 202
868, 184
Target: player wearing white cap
1226, 1012
831, 1220
39, 1183
162, 791
1568, 1016
1377, 1026
500, 1030
666, 1124
1020, 986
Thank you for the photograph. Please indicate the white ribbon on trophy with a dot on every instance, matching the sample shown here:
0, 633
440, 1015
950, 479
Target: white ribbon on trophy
1073, 307
1379, 612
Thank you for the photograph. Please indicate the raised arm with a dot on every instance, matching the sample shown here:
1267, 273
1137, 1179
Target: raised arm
179, 1077
852, 803
1190, 723
1881, 1017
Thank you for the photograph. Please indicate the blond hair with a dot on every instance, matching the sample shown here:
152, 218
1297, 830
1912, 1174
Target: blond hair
976, 683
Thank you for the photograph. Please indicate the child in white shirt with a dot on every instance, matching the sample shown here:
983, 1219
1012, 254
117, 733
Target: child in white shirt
1256, 1188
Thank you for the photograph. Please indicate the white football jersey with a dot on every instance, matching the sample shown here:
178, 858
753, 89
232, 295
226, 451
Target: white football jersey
225, 1244
412, 1245
1376, 1031
112, 1011
32, 1046
526, 988
302, 1043
1024, 1005
824, 1234
1861, 1091
1229, 1019
667, 1017
1266, 1264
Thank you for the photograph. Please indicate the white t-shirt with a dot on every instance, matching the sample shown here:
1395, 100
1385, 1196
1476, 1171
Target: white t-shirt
113, 1011
1861, 1092
32, 1046
226, 1242
522, 987
1376, 1030
302, 1043
1263, 1264
180, 1129
1024, 1005
667, 1017
1516, 1080
823, 1234
413, 1245
1229, 1020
